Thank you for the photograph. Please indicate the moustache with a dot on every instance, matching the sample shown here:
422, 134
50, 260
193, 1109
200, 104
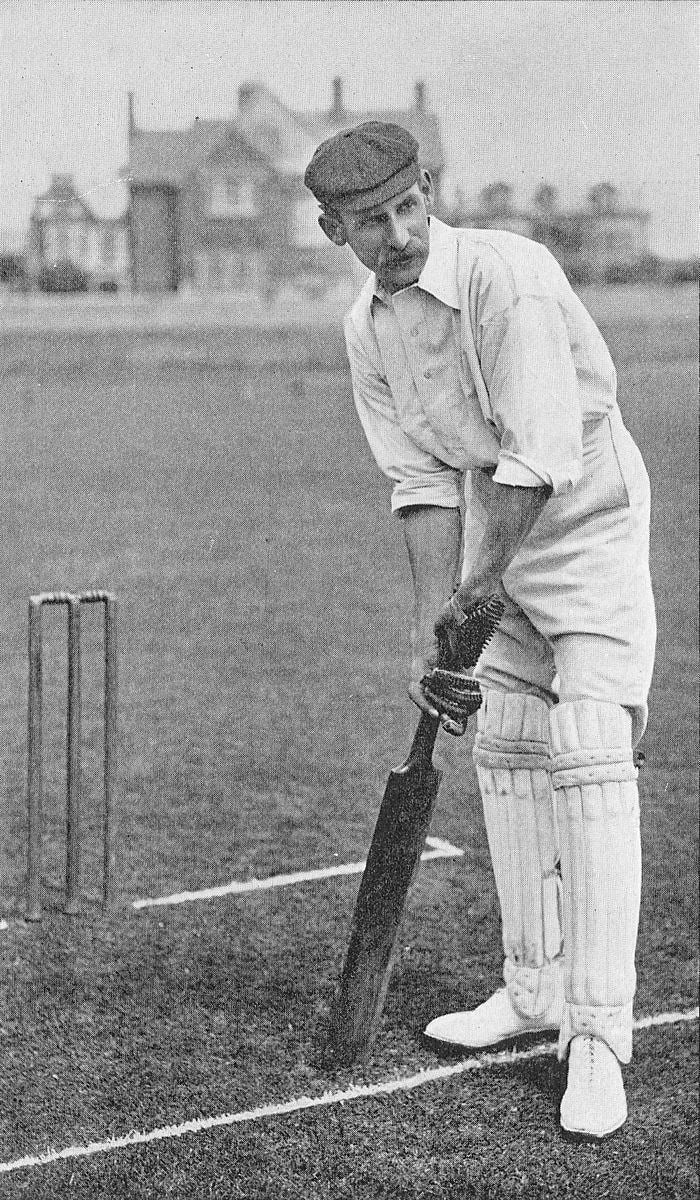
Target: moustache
403, 259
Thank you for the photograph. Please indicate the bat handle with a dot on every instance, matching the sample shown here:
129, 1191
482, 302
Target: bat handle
424, 740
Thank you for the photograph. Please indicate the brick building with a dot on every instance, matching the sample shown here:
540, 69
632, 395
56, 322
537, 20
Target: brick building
222, 206
66, 239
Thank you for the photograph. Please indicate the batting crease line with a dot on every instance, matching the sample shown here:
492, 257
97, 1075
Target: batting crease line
440, 849
302, 1103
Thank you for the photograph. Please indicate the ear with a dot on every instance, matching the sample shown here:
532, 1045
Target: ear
425, 184
333, 228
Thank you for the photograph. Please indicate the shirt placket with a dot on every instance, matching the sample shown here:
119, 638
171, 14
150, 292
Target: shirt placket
409, 323
428, 353
408, 309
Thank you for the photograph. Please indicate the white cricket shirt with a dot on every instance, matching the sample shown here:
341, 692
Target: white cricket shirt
490, 359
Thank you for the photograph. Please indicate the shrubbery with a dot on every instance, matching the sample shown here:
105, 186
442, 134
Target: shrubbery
643, 270
12, 272
654, 270
684, 270
63, 276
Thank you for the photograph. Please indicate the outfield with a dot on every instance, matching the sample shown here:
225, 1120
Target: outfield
219, 483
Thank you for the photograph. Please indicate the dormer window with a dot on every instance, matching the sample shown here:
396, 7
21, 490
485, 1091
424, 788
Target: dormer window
232, 196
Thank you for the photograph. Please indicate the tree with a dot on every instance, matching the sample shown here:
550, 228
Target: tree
496, 198
603, 198
545, 199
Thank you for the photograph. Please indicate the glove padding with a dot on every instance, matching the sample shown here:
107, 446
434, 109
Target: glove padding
453, 693
448, 687
462, 639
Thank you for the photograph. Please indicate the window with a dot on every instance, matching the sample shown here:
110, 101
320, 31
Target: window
226, 271
61, 245
201, 270
81, 245
232, 196
109, 246
237, 274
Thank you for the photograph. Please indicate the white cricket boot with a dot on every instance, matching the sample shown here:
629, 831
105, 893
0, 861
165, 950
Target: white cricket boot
494, 1021
512, 759
594, 779
594, 1103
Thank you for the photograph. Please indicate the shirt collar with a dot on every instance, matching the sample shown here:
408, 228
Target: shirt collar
439, 275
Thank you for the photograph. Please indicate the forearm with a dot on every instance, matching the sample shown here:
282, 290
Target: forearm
433, 539
434, 542
511, 514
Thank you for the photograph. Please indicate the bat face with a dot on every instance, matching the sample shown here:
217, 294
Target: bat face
399, 838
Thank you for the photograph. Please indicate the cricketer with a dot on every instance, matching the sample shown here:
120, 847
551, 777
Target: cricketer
488, 397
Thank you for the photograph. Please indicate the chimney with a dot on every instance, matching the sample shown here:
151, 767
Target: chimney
246, 96
420, 95
132, 119
338, 109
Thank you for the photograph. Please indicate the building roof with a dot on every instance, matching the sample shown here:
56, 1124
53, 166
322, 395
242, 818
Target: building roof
63, 193
169, 155
283, 138
280, 135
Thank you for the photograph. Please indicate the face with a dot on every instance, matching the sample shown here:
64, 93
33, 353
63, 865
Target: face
391, 239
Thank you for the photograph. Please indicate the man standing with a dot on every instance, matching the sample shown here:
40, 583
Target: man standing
483, 384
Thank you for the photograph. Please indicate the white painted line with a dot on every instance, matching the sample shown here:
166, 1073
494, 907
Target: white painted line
300, 1103
440, 849
669, 1018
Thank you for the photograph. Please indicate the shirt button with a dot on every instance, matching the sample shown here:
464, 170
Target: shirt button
428, 374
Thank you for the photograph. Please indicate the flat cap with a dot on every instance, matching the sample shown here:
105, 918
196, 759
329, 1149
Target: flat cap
360, 167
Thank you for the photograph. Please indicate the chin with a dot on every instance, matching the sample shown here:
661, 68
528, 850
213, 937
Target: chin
404, 277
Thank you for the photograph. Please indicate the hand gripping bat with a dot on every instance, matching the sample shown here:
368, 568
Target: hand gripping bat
397, 843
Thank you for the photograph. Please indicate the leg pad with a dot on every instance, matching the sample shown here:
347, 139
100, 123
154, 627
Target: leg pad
598, 817
512, 759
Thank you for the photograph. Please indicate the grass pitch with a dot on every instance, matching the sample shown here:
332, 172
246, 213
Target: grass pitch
220, 484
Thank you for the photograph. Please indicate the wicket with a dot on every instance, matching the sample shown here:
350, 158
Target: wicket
73, 603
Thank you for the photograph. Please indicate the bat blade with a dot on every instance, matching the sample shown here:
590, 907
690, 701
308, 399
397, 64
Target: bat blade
399, 837
397, 844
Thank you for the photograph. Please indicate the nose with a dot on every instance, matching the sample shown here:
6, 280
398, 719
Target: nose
397, 235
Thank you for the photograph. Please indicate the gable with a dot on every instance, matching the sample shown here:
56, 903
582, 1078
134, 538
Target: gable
274, 130
264, 134
64, 205
169, 156
234, 152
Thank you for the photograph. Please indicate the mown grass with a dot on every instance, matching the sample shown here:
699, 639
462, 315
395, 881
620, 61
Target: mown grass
221, 485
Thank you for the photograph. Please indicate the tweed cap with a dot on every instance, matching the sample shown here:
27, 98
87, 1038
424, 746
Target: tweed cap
360, 167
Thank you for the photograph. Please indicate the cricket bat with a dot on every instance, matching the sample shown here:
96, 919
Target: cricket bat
397, 844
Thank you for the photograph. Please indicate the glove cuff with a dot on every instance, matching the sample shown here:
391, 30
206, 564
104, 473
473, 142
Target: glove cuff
460, 616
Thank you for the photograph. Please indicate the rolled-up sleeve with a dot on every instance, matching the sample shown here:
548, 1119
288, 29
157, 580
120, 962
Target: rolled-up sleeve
530, 374
418, 477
